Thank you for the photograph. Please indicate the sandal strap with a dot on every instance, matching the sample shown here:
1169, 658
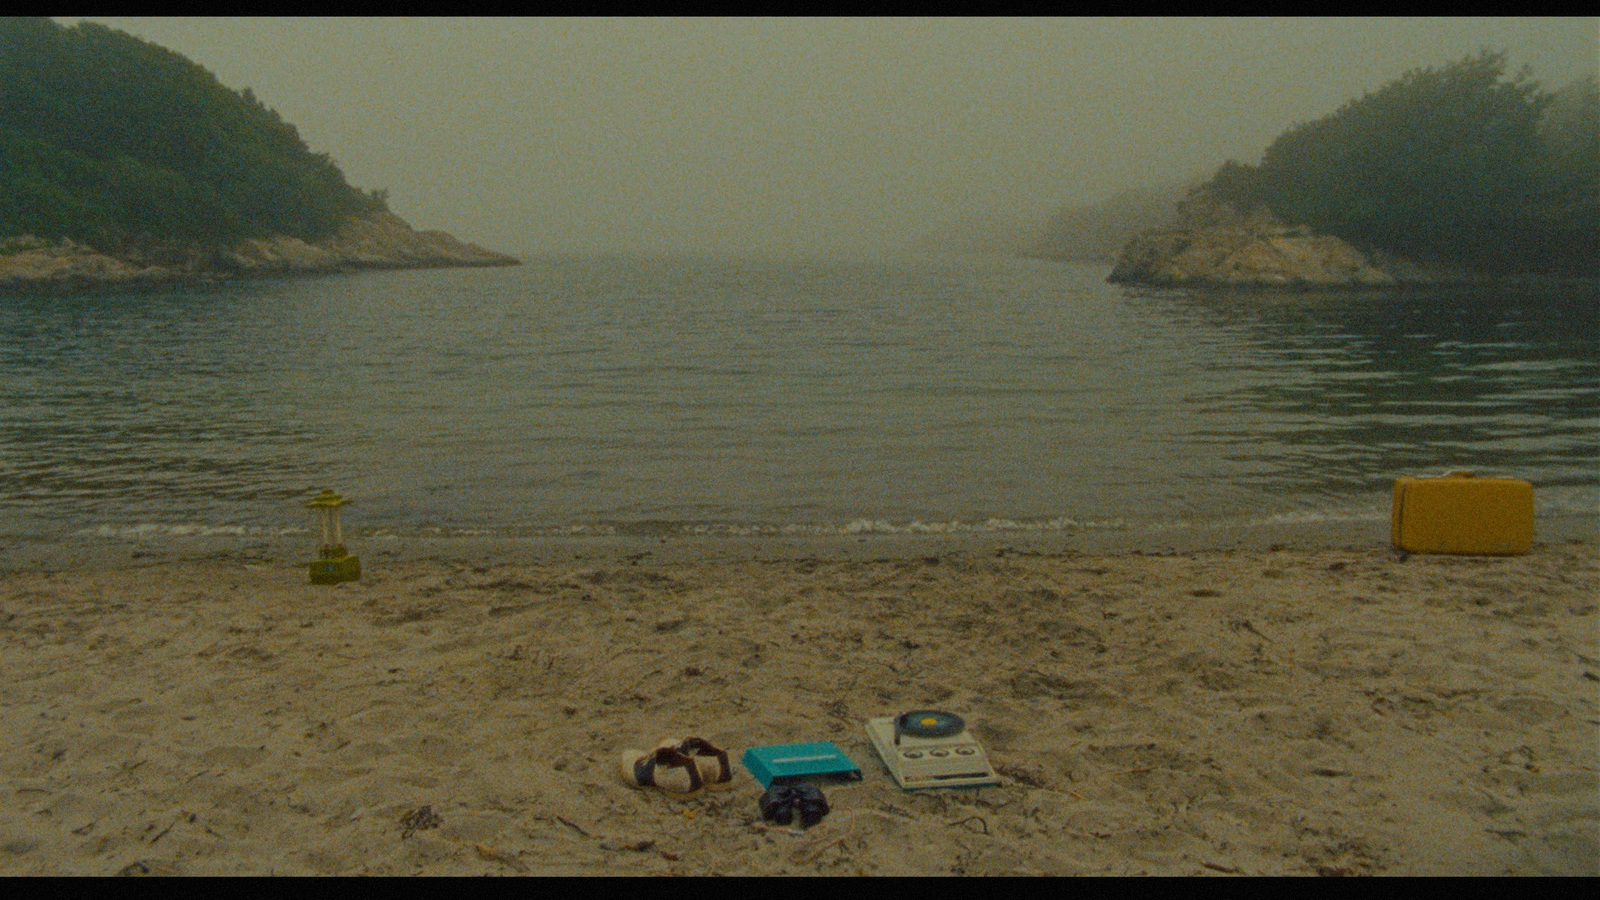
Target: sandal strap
701, 747
644, 769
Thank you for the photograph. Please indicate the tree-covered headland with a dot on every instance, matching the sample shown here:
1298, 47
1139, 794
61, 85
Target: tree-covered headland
118, 143
1461, 166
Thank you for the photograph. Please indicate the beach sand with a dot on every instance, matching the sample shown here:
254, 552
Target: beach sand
1337, 712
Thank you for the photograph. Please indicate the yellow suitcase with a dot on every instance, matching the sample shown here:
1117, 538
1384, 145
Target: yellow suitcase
1462, 513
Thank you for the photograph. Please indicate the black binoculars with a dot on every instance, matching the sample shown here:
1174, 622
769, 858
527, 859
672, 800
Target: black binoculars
781, 802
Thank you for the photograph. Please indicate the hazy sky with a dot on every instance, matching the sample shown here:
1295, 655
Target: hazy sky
804, 136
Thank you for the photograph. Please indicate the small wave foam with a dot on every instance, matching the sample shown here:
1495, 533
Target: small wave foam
1289, 518
860, 526
152, 530
1320, 516
988, 526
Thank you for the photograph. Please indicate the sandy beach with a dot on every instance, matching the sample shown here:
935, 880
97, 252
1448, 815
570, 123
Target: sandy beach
1224, 712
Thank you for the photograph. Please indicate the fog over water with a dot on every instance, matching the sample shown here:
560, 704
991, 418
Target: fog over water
796, 137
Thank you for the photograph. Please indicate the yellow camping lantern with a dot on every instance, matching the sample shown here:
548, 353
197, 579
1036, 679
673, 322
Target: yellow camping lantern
333, 563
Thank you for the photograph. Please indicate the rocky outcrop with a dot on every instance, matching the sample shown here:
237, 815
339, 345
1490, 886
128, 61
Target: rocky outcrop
380, 241
31, 262
1213, 245
384, 241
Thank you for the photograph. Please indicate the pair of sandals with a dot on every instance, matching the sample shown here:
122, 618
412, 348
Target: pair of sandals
678, 766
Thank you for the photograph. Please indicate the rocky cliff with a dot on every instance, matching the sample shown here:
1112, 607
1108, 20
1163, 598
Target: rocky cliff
1213, 245
379, 241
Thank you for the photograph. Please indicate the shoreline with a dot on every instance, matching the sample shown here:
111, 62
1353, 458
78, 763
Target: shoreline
1400, 288
53, 287
379, 241
1213, 245
62, 551
1344, 711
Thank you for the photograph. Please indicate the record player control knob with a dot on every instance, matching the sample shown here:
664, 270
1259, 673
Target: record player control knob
939, 753
965, 751
913, 754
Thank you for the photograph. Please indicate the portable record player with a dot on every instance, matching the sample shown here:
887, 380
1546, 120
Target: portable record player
927, 748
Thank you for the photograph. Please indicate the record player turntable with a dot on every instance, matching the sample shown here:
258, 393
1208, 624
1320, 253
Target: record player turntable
927, 748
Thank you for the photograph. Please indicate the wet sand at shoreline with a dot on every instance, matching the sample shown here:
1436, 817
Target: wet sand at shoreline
1250, 711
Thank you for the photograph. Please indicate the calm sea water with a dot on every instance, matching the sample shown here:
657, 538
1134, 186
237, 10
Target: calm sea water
621, 395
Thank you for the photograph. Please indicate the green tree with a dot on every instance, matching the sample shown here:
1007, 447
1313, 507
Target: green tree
1452, 165
1567, 207
115, 141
